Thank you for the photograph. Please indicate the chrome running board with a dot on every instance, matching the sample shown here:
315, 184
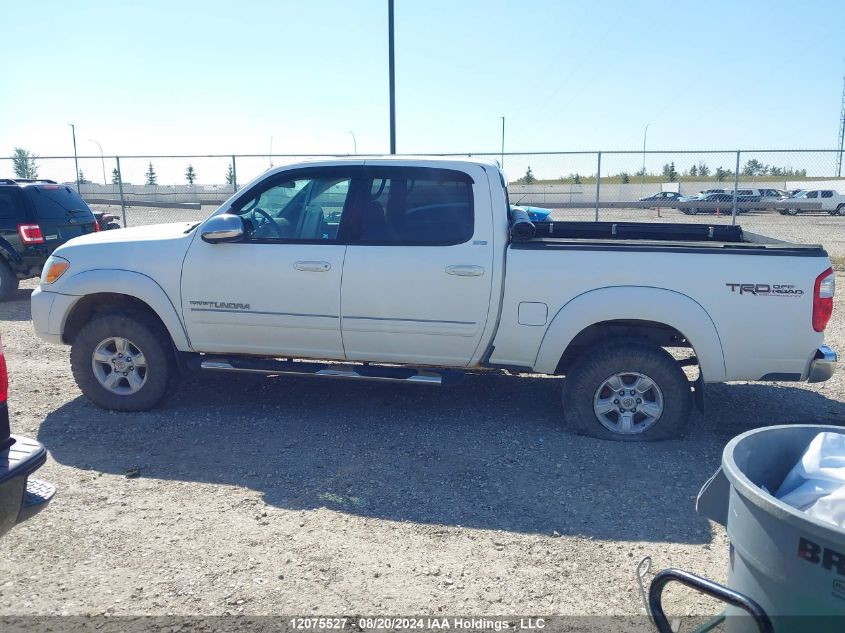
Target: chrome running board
353, 372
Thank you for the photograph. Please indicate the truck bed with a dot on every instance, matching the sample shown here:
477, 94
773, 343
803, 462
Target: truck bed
699, 238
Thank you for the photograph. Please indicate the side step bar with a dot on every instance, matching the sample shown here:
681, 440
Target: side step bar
322, 370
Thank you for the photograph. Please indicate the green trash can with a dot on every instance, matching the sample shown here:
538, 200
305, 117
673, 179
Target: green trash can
792, 564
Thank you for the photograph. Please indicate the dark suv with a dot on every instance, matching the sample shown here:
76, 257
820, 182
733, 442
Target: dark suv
36, 217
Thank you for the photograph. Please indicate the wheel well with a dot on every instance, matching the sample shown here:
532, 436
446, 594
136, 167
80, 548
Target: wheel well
91, 305
649, 331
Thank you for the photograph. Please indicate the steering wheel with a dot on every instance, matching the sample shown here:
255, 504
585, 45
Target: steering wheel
270, 221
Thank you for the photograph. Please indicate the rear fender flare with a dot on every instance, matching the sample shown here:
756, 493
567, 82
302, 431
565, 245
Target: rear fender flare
636, 303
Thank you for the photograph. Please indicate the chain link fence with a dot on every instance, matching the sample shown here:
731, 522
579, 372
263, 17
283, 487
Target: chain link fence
759, 189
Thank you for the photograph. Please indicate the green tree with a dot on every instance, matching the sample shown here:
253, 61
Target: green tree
115, 176
693, 171
577, 179
528, 178
625, 177
721, 174
190, 174
669, 172
82, 180
23, 163
152, 179
754, 167
230, 175
703, 169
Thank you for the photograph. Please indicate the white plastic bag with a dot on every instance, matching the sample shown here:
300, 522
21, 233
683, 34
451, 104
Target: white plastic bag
816, 484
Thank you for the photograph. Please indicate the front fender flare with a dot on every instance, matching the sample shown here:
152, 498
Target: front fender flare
635, 303
130, 283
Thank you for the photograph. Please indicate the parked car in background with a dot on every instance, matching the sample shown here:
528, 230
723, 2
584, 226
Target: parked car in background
770, 197
662, 196
106, 221
726, 198
831, 202
21, 497
36, 217
794, 192
709, 191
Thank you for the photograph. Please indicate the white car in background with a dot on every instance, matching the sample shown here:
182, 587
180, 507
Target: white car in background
831, 201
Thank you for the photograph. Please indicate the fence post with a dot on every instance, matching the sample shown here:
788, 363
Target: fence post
120, 187
598, 185
234, 175
736, 186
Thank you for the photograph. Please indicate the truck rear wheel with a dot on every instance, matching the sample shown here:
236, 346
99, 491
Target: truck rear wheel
124, 362
627, 390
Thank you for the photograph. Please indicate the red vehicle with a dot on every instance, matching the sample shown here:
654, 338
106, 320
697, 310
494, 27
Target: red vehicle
21, 497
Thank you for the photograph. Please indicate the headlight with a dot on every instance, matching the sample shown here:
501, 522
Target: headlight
54, 268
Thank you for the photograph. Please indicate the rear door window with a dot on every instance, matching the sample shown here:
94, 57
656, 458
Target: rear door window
415, 206
53, 202
11, 205
827, 194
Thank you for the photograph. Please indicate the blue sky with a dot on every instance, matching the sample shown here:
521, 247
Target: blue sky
190, 77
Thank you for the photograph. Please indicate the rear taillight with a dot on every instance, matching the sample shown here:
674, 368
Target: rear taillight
30, 234
96, 227
4, 380
823, 292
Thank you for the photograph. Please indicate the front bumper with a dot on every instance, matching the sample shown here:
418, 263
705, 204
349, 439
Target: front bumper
49, 310
823, 365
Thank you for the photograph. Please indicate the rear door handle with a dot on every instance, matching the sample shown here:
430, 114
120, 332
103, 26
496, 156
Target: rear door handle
465, 271
313, 267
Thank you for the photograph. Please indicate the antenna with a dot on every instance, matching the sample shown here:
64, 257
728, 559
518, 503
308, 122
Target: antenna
841, 133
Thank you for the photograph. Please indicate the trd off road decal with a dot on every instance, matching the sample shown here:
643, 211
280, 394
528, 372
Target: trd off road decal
766, 290
220, 305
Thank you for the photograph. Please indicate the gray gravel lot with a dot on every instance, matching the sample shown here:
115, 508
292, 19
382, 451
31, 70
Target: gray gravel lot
285, 495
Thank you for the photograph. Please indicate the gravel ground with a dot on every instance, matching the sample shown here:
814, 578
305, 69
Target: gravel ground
295, 496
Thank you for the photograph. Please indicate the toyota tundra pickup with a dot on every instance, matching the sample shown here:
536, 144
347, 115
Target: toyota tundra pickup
407, 269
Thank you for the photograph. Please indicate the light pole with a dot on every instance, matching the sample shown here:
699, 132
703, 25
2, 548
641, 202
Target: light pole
354, 143
102, 160
75, 160
502, 161
645, 135
391, 69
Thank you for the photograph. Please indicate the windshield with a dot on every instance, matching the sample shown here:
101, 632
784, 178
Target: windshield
56, 201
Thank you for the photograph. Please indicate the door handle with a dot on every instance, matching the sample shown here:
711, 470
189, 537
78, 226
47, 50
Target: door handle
313, 267
465, 271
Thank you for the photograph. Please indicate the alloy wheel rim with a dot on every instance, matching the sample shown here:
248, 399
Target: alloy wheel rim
628, 403
119, 366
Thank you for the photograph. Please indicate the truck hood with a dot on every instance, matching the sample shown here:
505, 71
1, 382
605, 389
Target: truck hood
141, 249
134, 234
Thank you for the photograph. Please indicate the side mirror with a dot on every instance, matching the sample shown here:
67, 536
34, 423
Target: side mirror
223, 228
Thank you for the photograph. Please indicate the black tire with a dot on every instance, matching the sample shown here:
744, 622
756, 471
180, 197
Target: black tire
600, 363
111, 226
792, 212
8, 281
840, 210
150, 337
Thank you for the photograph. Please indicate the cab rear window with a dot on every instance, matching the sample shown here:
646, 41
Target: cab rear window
56, 201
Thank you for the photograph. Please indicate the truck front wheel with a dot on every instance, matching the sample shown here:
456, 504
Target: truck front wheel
124, 361
627, 390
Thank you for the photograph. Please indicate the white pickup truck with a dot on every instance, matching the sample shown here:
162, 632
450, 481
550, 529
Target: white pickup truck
402, 269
